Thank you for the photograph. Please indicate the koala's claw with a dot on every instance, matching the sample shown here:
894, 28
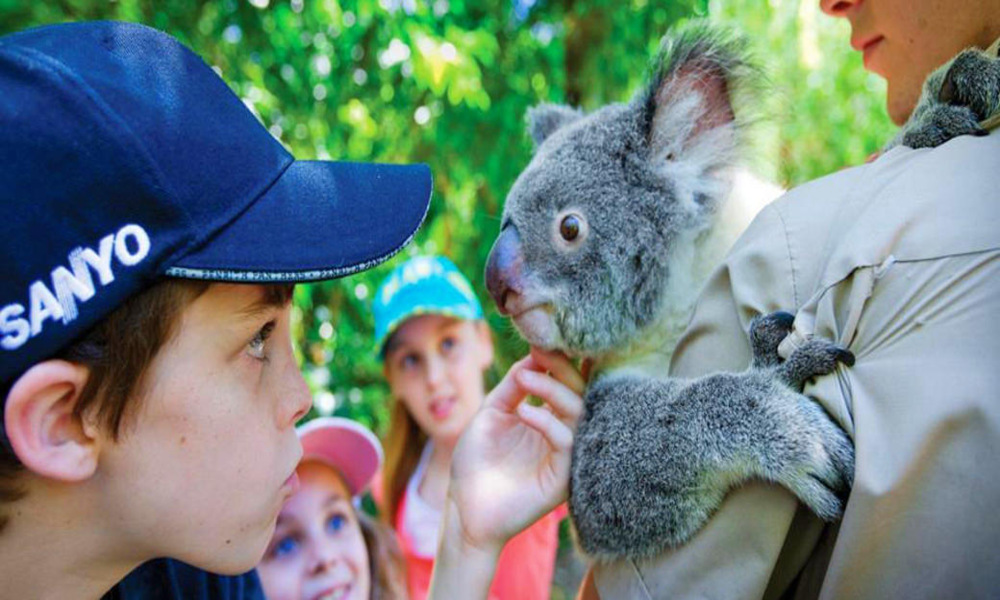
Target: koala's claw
766, 333
814, 358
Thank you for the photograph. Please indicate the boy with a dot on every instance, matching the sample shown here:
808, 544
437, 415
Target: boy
153, 229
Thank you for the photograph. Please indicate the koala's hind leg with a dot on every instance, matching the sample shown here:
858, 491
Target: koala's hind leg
818, 473
653, 458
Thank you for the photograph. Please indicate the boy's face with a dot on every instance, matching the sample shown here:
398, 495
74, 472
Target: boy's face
904, 40
434, 365
318, 551
202, 471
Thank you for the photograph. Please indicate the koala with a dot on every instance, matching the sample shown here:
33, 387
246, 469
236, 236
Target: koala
606, 238
956, 99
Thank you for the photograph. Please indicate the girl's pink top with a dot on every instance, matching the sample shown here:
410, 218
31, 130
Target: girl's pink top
524, 571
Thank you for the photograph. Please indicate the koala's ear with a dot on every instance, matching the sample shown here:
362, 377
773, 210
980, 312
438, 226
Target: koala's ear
546, 118
688, 104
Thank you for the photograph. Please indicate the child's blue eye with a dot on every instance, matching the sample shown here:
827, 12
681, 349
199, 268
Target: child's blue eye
448, 343
285, 546
335, 523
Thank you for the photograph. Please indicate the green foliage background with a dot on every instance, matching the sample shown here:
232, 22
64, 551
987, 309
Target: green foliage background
447, 82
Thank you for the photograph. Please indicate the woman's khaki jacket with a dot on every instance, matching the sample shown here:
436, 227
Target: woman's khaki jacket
900, 261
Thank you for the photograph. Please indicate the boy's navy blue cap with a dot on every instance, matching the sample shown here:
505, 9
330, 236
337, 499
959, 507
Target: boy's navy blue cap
125, 158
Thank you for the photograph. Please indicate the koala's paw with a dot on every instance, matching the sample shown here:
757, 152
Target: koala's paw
955, 99
814, 358
766, 332
939, 124
819, 468
972, 80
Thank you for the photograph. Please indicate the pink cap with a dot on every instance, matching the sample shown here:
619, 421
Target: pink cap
346, 446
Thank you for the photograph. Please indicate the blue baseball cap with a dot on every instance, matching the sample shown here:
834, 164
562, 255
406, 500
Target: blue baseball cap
125, 158
424, 285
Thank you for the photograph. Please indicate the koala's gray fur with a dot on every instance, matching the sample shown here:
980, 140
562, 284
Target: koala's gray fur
954, 101
637, 153
649, 183
677, 446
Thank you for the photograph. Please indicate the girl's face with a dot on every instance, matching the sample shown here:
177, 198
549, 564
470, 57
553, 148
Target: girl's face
434, 365
318, 551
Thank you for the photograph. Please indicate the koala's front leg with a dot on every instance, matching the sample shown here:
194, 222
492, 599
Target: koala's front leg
653, 458
955, 99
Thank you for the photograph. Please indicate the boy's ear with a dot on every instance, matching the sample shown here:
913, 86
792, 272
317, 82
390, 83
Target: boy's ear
43, 431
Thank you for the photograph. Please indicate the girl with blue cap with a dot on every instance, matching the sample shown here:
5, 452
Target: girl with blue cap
435, 348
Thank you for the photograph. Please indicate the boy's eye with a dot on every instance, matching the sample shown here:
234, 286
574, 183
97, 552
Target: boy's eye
285, 547
257, 346
448, 343
335, 523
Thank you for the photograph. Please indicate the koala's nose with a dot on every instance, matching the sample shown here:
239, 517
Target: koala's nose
503, 269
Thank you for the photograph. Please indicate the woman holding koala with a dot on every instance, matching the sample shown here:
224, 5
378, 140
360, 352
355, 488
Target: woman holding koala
898, 260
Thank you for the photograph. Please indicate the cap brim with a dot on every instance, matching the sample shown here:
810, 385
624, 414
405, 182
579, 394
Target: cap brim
462, 312
344, 445
319, 220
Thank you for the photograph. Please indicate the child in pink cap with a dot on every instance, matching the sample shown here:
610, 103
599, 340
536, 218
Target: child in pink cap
323, 547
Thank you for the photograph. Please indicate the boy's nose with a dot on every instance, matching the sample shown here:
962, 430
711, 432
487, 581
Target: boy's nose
298, 397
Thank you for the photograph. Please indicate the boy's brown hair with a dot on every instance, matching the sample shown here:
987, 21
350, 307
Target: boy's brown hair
117, 351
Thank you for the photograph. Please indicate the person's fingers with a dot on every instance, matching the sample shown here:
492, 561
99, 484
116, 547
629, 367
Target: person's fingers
557, 435
507, 394
565, 403
560, 366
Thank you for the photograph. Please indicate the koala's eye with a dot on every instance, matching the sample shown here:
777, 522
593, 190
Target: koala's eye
569, 228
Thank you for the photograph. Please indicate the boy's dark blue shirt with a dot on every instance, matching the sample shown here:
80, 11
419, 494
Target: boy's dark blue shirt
167, 579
